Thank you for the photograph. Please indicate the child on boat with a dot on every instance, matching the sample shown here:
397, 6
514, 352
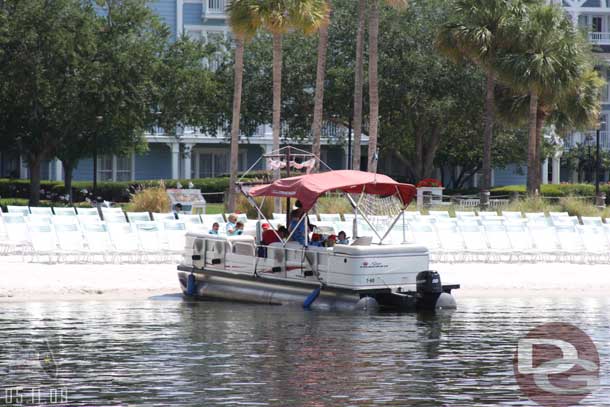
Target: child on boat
214, 230
239, 229
342, 238
231, 225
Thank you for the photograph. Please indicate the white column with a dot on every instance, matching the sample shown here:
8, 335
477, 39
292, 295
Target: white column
268, 150
58, 169
50, 175
575, 174
346, 157
114, 167
556, 170
475, 180
544, 172
179, 18
175, 150
23, 168
197, 164
133, 165
493, 177
187, 160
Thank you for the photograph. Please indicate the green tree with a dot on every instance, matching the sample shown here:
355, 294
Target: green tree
45, 44
244, 24
546, 60
475, 32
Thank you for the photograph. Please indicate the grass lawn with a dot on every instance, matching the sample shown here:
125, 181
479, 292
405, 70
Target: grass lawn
214, 208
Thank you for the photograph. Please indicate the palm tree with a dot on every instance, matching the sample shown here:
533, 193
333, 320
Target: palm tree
374, 78
358, 85
277, 17
475, 33
244, 25
546, 60
318, 109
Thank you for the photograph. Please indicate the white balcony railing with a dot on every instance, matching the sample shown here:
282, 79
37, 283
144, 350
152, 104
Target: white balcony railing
215, 8
599, 38
588, 138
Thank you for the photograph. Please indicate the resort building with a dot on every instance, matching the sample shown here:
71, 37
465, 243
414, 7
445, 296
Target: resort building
193, 154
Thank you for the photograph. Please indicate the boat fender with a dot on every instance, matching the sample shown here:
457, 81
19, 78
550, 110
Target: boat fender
311, 298
191, 285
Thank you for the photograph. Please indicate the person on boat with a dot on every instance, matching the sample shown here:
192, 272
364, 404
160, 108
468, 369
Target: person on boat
297, 227
214, 230
231, 225
239, 229
330, 241
316, 240
342, 238
269, 236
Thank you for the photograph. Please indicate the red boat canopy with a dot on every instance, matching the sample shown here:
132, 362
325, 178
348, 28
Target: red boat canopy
307, 188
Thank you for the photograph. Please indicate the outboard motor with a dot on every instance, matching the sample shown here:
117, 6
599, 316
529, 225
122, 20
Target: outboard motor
429, 288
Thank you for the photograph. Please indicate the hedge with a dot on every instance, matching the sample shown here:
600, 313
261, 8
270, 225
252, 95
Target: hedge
110, 191
555, 190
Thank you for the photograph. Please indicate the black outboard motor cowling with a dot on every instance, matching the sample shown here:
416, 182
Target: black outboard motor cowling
429, 288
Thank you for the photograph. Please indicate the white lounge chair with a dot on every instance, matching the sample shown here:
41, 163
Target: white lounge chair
592, 220
88, 212
99, 244
64, 211
451, 242
520, 241
151, 242
512, 215
17, 240
174, 232
474, 241
596, 243
21, 210
125, 242
44, 242
329, 217
545, 241
500, 248
161, 216
41, 210
134, 217
71, 243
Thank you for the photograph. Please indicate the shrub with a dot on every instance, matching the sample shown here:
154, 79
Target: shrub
536, 204
153, 199
334, 204
578, 206
243, 206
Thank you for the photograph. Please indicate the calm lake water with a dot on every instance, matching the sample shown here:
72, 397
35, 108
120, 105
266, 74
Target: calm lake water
172, 352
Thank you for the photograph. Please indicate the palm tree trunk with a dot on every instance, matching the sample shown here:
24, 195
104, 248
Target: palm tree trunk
373, 85
532, 161
34, 168
358, 85
318, 109
237, 90
540, 119
277, 102
68, 171
490, 112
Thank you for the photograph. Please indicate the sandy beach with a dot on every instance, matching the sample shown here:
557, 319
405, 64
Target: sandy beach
22, 281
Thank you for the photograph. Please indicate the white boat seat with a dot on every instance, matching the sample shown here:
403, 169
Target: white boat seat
374, 250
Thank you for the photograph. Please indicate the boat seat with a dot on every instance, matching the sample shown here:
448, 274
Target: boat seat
374, 250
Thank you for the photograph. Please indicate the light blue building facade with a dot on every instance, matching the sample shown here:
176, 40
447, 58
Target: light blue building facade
193, 154
197, 155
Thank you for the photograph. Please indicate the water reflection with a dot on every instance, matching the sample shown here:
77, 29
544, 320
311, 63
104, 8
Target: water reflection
202, 353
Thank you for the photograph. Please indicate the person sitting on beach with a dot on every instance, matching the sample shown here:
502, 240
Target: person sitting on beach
342, 238
214, 230
239, 229
231, 225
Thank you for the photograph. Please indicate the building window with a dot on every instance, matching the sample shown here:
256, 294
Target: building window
115, 168
104, 168
217, 163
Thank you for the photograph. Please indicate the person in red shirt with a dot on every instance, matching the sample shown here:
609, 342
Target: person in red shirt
269, 236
